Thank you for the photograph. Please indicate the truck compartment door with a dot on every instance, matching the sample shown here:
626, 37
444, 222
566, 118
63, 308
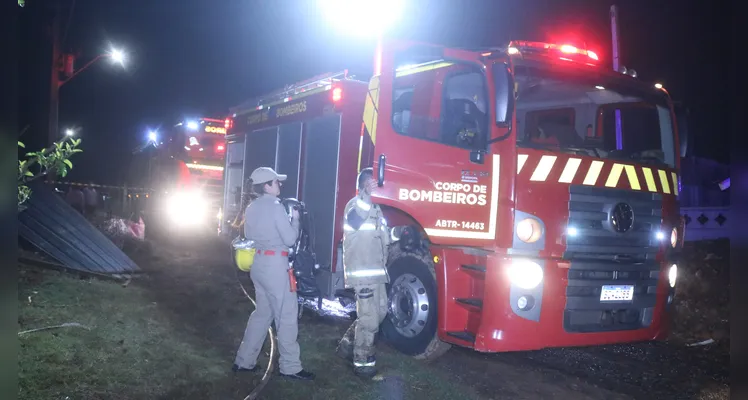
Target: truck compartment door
432, 116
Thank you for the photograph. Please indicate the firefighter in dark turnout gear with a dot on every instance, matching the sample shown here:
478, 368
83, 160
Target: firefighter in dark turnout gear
365, 242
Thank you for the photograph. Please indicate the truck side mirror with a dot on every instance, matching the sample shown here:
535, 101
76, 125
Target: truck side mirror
504, 92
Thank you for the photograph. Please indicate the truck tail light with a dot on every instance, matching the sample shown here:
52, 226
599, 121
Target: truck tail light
337, 94
228, 123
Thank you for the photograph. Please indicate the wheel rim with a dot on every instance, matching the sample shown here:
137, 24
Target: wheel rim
408, 305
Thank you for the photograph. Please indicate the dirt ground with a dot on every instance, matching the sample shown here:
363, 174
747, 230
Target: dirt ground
193, 286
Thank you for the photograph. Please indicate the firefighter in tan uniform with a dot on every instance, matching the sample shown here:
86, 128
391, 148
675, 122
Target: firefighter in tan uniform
365, 242
267, 224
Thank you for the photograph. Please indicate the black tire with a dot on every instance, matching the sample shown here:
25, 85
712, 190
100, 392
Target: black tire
425, 345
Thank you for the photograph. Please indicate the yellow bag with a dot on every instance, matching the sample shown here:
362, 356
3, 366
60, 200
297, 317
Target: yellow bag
244, 253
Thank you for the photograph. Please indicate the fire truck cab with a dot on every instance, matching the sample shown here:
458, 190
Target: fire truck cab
530, 191
187, 172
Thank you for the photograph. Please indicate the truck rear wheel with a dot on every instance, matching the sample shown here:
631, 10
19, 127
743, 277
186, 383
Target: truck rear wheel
411, 322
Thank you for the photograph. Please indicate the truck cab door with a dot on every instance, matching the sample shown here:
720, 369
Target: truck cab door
440, 120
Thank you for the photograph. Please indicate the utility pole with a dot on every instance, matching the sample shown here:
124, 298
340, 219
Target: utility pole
55, 76
616, 66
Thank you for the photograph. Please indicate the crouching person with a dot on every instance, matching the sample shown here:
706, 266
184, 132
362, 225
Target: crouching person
365, 242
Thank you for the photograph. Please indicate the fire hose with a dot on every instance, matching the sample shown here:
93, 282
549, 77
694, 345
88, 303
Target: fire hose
273, 349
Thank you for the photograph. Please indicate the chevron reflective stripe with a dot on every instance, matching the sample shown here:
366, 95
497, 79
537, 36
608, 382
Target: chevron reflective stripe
371, 109
521, 160
664, 181
543, 169
649, 179
570, 170
365, 364
607, 173
593, 172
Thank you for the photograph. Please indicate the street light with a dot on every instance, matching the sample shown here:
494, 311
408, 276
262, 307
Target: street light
116, 55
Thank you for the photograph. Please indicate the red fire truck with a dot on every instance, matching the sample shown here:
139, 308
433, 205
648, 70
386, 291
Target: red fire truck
187, 170
532, 192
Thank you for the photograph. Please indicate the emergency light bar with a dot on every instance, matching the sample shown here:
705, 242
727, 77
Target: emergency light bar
562, 50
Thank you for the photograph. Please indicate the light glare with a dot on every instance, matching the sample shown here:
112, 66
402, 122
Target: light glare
362, 18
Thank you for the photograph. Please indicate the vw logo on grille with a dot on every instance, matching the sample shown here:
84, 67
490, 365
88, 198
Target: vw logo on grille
622, 217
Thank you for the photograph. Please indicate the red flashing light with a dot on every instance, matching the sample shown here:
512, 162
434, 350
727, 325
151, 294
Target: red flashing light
569, 49
337, 94
518, 46
228, 123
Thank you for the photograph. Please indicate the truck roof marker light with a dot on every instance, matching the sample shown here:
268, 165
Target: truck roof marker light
512, 51
658, 86
337, 94
205, 167
598, 87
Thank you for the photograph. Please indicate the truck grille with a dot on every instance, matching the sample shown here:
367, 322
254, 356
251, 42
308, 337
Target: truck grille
590, 214
600, 255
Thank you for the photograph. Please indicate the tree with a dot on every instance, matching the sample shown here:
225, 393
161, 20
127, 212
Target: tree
54, 159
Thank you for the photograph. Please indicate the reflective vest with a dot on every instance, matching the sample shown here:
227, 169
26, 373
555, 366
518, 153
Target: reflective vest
365, 241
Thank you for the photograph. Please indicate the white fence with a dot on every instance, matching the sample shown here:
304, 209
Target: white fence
706, 223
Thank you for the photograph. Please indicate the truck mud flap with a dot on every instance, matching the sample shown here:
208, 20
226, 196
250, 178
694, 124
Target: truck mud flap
61, 232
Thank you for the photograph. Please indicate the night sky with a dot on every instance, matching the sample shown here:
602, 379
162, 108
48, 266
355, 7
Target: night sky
193, 58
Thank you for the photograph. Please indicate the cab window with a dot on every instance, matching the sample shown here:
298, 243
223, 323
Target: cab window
446, 103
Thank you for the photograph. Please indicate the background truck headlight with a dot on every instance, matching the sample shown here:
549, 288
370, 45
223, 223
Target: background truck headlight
672, 275
186, 208
525, 274
674, 237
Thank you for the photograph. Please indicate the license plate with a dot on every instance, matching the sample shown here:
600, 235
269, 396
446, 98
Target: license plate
617, 293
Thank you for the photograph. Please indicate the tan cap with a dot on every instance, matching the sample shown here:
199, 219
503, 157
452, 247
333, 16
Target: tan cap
265, 174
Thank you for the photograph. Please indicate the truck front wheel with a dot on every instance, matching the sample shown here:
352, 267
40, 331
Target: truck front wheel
411, 322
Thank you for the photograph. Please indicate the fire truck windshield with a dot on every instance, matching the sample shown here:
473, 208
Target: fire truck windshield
594, 114
204, 147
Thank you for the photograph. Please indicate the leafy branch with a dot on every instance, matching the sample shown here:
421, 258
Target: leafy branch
55, 159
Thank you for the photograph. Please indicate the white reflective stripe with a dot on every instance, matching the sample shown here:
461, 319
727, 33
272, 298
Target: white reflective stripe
365, 364
375, 271
363, 205
367, 226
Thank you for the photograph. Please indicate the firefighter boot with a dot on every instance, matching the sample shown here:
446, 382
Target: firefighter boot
366, 369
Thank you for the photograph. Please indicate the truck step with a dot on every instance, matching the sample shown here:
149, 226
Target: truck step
464, 335
473, 267
471, 302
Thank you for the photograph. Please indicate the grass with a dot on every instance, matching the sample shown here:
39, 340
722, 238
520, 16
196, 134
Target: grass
137, 349
130, 352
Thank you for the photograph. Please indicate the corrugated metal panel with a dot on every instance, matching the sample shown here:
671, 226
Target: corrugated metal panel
65, 235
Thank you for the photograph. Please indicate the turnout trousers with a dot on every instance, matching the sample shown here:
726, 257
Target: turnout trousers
371, 308
275, 302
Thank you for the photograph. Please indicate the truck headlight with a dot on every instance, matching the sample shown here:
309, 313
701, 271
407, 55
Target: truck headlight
672, 275
525, 274
674, 237
187, 207
529, 230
